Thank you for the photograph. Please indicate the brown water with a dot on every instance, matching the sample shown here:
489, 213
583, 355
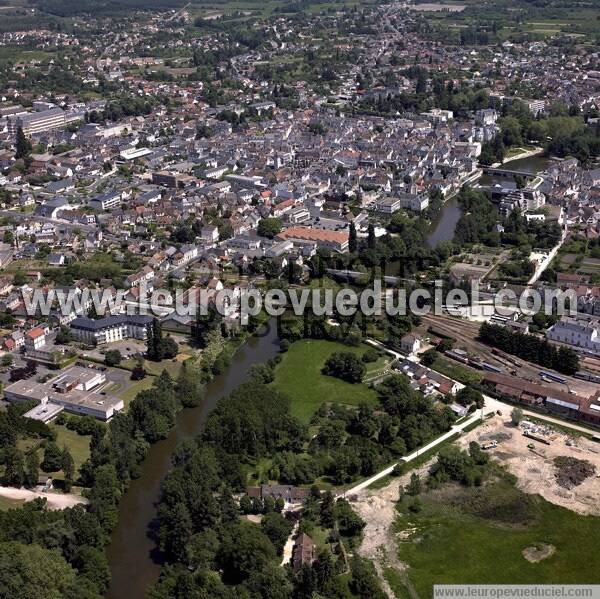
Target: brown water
133, 559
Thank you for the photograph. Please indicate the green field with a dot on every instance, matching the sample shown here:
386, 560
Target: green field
299, 376
78, 445
7, 504
129, 394
477, 535
515, 19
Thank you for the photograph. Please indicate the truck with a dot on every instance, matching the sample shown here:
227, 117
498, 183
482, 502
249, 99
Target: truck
489, 445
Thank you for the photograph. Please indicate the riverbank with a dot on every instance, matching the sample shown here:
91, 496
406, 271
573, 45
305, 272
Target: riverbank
524, 154
133, 558
520, 156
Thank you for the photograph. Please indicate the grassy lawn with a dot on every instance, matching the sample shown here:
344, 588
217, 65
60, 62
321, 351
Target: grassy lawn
156, 368
7, 504
477, 535
299, 376
78, 445
135, 388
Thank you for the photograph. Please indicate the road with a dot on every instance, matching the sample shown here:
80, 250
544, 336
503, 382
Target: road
409, 458
56, 501
288, 548
547, 260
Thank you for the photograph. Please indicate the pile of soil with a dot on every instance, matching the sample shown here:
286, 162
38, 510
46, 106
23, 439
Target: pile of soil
538, 552
571, 471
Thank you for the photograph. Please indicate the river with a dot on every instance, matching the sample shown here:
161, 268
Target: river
442, 228
132, 556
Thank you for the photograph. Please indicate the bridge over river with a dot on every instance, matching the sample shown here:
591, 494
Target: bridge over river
504, 172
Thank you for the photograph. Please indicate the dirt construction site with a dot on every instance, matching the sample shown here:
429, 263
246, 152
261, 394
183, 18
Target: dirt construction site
530, 452
531, 457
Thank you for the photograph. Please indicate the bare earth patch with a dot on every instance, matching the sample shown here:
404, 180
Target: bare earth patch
378, 509
538, 552
56, 501
535, 472
533, 463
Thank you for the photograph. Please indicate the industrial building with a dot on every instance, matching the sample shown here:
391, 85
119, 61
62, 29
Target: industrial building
71, 391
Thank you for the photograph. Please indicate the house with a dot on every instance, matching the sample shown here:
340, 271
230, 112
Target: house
73, 390
334, 240
580, 332
56, 259
18, 338
35, 338
289, 493
388, 205
410, 344
209, 233
303, 553
106, 201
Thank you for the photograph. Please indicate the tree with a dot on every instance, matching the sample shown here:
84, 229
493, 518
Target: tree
202, 550
169, 347
112, 357
138, 372
177, 532
346, 366
269, 227
371, 239
159, 348
269, 583
30, 571
429, 357
68, 468
7, 360
53, 458
244, 549
414, 486
14, 472
467, 396
63, 336
370, 356
352, 240
22, 145
277, 528
364, 582
32, 468
324, 568
327, 510
349, 522
91, 563
516, 416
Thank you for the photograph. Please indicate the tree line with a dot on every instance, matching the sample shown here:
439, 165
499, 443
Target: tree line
531, 348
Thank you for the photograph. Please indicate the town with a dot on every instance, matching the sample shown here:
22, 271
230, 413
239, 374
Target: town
217, 152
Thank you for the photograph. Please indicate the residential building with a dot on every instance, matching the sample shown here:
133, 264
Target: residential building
110, 329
